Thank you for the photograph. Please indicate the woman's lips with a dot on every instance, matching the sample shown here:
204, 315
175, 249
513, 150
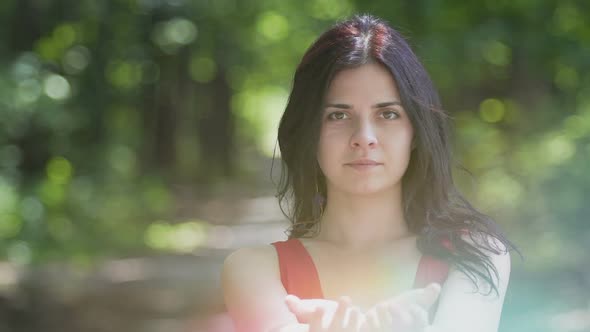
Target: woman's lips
362, 165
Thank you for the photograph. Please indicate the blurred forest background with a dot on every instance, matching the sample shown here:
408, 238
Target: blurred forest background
137, 136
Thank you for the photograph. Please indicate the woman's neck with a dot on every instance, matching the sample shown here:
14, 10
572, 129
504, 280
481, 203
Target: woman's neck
363, 222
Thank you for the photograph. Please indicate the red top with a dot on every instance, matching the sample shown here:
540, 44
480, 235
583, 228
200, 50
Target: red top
300, 277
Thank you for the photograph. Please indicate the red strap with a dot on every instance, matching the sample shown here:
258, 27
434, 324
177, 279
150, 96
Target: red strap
430, 270
298, 272
300, 277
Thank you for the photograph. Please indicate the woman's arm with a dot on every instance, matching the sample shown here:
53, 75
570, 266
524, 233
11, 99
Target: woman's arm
462, 310
253, 293
257, 301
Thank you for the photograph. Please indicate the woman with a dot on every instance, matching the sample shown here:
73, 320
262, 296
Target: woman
381, 240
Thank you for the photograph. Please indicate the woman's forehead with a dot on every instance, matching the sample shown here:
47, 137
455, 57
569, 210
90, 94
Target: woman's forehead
376, 71
369, 81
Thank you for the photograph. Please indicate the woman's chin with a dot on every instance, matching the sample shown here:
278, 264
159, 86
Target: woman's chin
365, 187
368, 190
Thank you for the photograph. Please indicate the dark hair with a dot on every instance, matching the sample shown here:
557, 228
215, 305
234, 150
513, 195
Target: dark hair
433, 207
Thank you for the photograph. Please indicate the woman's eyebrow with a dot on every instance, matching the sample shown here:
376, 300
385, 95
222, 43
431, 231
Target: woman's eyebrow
378, 105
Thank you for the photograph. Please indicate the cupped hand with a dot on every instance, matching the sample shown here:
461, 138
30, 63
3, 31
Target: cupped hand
327, 315
407, 312
304, 309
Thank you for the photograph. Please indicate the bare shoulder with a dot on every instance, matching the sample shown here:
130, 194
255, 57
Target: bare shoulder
262, 257
252, 289
500, 258
247, 268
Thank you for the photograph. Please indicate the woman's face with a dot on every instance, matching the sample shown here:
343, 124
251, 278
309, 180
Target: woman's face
366, 136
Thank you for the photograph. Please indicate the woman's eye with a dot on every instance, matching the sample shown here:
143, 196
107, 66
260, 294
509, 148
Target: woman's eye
337, 116
390, 115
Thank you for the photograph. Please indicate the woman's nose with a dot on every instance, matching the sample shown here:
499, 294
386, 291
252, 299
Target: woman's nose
364, 136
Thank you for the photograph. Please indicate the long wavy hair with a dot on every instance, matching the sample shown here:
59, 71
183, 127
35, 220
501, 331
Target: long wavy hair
434, 209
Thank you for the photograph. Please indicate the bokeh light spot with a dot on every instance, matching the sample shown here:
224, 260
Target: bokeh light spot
182, 237
123, 160
65, 34
492, 110
273, 26
171, 35
19, 253
28, 91
76, 59
558, 149
329, 9
124, 74
31, 209
56, 87
181, 31
27, 66
497, 53
59, 170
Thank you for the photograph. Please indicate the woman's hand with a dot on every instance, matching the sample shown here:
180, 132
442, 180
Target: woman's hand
326, 315
303, 308
407, 312
392, 317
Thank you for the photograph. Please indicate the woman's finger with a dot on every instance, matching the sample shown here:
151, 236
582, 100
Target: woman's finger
303, 313
354, 320
402, 319
372, 322
295, 306
420, 317
316, 323
384, 315
340, 316
424, 297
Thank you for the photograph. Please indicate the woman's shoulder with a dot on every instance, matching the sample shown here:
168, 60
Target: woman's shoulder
252, 288
485, 241
246, 257
250, 271
494, 249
